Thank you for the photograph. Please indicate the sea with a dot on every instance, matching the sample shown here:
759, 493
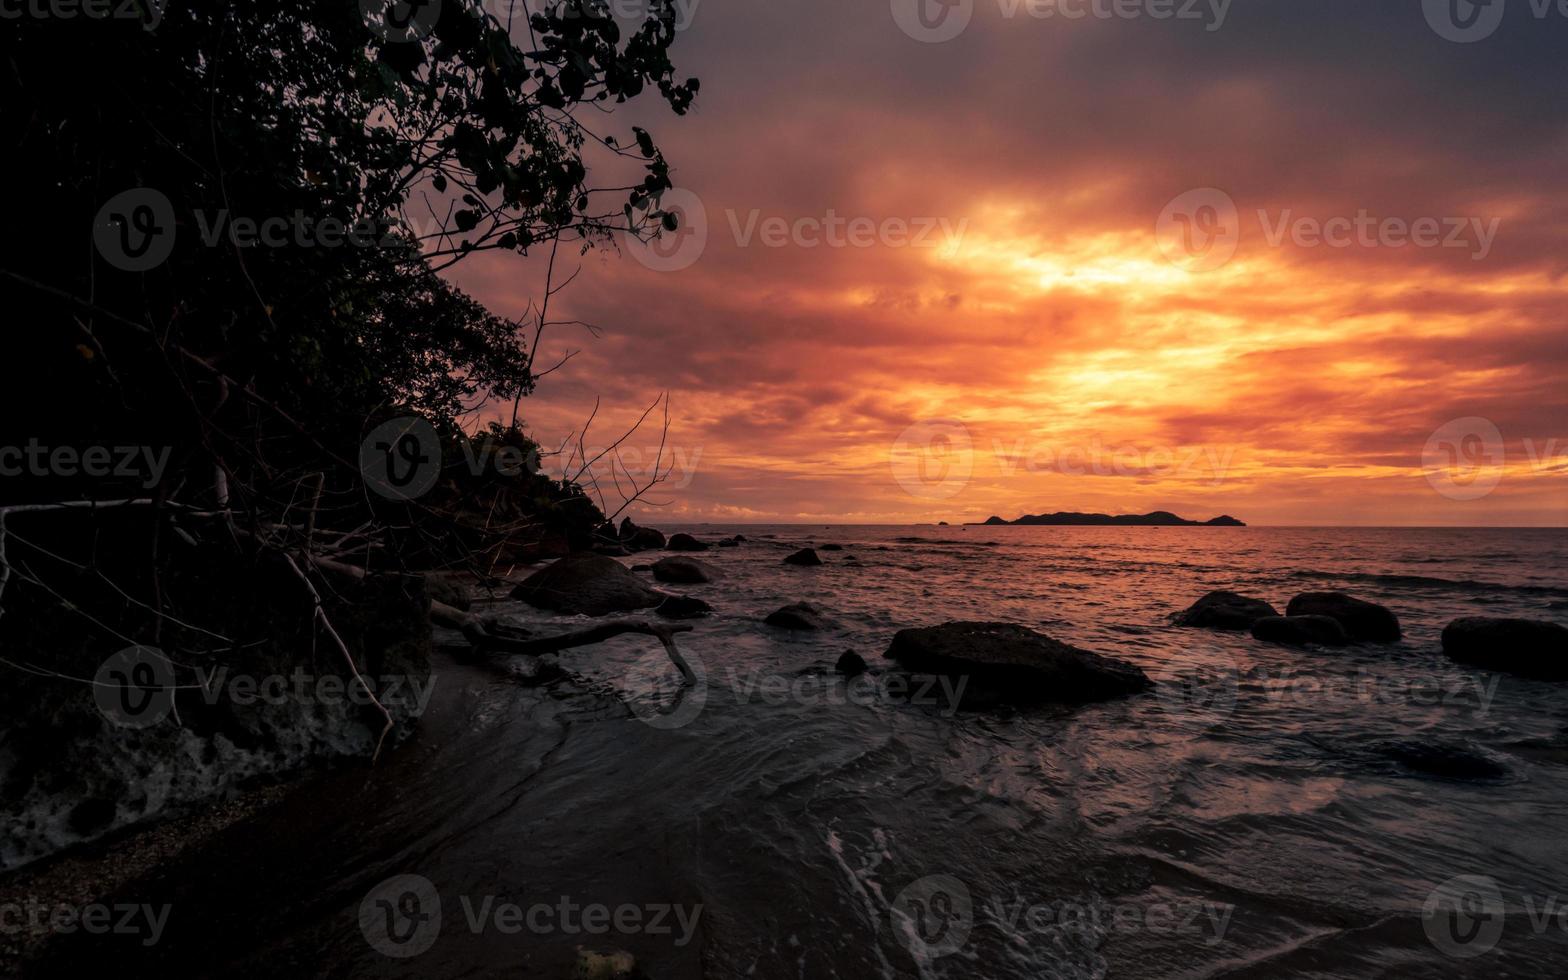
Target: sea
1263, 811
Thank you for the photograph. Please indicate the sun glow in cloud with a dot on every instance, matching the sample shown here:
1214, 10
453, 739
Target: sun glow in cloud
1084, 367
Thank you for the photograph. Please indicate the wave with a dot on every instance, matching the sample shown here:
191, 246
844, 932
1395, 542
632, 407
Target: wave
1431, 582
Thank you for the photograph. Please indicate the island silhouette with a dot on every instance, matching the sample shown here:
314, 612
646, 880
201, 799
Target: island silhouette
1158, 518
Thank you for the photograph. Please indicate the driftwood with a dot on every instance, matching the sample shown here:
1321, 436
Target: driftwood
485, 640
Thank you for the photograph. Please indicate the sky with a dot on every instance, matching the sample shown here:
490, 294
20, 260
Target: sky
1301, 263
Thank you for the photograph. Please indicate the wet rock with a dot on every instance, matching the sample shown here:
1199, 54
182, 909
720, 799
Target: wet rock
1527, 647
1225, 611
448, 589
850, 664
1015, 663
586, 584
642, 568
634, 538
684, 571
796, 616
613, 965
685, 542
805, 556
1300, 631
830, 547
683, 607
728, 543
1445, 760
739, 538
1362, 620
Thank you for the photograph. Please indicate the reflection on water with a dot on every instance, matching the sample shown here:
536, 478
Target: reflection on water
1266, 812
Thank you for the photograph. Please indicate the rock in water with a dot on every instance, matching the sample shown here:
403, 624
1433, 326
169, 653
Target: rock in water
1225, 611
586, 584
796, 616
683, 607
1300, 631
614, 965
1019, 663
634, 538
1362, 620
850, 664
685, 542
832, 547
1444, 760
805, 556
684, 571
1527, 647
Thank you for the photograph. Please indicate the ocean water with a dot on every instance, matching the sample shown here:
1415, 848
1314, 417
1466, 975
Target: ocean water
1264, 812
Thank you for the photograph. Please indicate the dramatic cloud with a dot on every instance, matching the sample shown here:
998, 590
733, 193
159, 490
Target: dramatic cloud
1306, 267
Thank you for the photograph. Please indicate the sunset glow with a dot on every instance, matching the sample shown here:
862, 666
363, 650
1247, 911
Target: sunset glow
1046, 314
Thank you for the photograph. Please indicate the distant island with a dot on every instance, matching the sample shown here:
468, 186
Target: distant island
1159, 518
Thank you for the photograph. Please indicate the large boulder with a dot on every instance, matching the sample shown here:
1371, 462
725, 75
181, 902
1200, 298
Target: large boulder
684, 571
634, 538
805, 556
850, 664
796, 616
1225, 611
683, 607
1300, 631
1528, 647
1015, 662
685, 542
1362, 620
586, 584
